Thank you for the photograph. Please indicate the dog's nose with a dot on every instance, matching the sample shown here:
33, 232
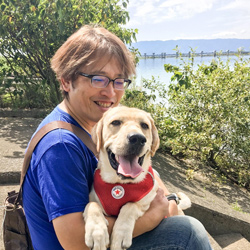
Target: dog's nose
137, 139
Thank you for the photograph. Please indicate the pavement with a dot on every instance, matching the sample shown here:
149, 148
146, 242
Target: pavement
223, 208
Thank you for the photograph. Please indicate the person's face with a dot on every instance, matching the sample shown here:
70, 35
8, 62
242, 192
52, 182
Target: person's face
88, 103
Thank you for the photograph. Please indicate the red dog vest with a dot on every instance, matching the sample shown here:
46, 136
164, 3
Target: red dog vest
114, 196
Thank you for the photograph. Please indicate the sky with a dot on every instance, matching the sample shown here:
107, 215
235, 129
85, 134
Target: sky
189, 19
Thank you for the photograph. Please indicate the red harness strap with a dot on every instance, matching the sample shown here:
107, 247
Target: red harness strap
114, 196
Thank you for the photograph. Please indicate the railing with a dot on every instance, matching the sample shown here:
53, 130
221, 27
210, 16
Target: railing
195, 54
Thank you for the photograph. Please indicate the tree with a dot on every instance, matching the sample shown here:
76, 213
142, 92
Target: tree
32, 30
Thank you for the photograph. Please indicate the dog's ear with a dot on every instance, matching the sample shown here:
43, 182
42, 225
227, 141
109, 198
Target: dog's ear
96, 135
155, 136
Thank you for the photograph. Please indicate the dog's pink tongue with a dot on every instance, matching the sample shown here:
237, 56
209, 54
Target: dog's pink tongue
129, 167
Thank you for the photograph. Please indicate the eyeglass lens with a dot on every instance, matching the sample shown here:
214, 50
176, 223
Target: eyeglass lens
102, 82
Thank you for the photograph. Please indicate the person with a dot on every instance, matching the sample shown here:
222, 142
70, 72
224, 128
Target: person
93, 67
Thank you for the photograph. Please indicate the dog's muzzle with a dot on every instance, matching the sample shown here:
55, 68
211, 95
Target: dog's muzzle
129, 166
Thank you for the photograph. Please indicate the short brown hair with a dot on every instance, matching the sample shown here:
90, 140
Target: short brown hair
85, 47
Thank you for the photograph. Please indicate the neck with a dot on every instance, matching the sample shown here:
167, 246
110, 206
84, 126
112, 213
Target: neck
65, 106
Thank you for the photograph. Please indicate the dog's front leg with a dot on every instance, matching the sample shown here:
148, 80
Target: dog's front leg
96, 230
123, 229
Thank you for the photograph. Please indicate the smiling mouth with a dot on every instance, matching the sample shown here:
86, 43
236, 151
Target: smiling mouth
104, 104
128, 166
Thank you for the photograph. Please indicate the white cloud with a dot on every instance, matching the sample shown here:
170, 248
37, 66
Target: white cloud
186, 9
225, 34
156, 11
169, 19
236, 5
233, 33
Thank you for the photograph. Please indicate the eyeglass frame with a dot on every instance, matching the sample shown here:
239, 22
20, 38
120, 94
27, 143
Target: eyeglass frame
128, 81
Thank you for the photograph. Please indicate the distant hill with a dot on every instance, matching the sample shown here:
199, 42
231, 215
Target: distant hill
205, 45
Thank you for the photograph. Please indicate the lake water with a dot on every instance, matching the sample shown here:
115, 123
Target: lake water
155, 67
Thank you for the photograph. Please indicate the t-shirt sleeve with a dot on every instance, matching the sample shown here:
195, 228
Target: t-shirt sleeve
62, 175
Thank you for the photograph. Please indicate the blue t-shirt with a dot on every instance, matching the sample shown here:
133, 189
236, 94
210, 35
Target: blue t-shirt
58, 181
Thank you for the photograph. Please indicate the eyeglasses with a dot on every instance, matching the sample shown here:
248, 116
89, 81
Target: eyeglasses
103, 81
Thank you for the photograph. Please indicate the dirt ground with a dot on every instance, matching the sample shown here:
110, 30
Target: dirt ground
14, 136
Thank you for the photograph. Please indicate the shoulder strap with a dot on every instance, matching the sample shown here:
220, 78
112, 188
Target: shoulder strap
86, 139
82, 134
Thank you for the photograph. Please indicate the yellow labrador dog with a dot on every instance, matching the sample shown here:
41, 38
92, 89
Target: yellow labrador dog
124, 183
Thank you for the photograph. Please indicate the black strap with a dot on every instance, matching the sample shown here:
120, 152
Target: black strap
82, 134
174, 197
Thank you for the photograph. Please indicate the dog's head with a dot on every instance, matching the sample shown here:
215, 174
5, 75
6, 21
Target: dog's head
126, 138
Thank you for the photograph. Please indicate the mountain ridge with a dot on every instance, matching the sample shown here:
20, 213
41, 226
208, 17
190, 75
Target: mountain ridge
185, 45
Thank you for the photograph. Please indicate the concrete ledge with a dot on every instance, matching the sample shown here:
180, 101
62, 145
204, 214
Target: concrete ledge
217, 223
10, 178
34, 113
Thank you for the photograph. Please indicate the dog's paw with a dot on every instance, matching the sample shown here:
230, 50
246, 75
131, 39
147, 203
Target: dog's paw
96, 235
121, 240
96, 227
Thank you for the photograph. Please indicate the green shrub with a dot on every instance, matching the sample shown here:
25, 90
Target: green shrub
210, 110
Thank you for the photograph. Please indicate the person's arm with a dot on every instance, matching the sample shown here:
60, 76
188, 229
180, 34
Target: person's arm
157, 211
173, 210
159, 208
70, 230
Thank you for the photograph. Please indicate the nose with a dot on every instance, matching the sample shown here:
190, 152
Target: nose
109, 91
137, 140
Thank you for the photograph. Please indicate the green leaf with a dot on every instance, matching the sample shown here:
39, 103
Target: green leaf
3, 6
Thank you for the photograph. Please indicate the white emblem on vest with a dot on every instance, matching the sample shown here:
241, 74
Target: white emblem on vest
117, 192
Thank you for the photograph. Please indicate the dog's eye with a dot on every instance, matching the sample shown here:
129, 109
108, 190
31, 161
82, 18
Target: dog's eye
116, 123
144, 125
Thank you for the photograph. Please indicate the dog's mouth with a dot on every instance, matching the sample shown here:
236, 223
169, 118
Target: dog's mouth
129, 166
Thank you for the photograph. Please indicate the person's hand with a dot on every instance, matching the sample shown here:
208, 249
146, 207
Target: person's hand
157, 211
160, 204
173, 209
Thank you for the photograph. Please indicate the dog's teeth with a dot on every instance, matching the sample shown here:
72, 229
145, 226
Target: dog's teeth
116, 158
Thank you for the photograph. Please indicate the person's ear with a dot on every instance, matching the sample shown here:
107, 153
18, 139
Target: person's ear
65, 85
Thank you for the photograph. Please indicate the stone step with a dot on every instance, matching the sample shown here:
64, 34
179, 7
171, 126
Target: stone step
217, 223
214, 243
233, 241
